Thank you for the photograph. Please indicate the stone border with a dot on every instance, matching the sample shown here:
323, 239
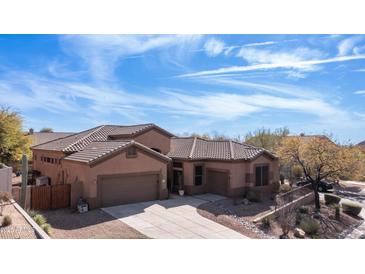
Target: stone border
37, 229
296, 203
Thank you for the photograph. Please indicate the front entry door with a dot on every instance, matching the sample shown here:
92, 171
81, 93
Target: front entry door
178, 177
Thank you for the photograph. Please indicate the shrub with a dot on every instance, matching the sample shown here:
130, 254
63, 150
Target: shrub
309, 226
275, 187
47, 228
299, 217
6, 220
285, 188
40, 219
331, 199
337, 212
303, 210
351, 208
266, 222
32, 213
254, 195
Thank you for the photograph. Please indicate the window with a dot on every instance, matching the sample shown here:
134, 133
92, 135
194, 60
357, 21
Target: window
42, 159
131, 152
198, 175
35, 157
48, 159
177, 165
262, 175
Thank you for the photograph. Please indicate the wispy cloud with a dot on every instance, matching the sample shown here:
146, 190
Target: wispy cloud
359, 92
295, 65
347, 45
213, 47
103, 53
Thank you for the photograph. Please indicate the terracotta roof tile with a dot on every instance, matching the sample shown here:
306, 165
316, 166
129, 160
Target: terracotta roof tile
184, 148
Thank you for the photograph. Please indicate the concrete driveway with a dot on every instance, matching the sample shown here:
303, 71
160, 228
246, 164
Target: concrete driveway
176, 218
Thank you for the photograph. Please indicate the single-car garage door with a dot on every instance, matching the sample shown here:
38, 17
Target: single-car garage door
217, 182
124, 189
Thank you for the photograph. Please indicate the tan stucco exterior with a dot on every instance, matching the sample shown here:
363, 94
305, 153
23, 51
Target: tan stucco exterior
155, 139
77, 172
237, 171
52, 170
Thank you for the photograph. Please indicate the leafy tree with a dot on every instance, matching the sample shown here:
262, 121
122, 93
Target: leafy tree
266, 138
320, 159
46, 130
13, 142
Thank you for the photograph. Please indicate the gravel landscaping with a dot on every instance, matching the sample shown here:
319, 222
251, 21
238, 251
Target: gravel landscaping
19, 228
237, 217
95, 224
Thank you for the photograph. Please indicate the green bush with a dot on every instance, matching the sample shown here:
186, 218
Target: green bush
47, 228
351, 208
266, 222
40, 219
285, 188
299, 217
254, 195
303, 210
337, 212
32, 213
309, 226
6, 220
331, 199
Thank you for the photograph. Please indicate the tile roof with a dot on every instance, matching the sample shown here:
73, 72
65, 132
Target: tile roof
199, 149
79, 141
96, 151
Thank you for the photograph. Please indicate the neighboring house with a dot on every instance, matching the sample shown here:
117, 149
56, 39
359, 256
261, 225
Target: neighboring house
38, 138
110, 165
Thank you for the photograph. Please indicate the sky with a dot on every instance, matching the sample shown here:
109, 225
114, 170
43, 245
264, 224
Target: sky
225, 84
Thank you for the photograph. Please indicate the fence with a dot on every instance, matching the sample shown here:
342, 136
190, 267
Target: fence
290, 196
50, 197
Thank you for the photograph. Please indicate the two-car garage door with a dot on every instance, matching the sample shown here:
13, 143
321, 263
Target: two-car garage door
124, 189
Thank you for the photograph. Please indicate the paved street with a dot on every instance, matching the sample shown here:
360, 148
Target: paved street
175, 218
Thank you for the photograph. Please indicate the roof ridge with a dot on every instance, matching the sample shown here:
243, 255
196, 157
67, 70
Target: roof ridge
231, 148
192, 148
83, 138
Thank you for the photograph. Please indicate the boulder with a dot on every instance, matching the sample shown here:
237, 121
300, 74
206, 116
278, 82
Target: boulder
299, 233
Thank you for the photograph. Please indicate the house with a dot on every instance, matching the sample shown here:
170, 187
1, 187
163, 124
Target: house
110, 165
38, 138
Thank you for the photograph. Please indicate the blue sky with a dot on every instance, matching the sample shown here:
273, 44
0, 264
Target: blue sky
229, 84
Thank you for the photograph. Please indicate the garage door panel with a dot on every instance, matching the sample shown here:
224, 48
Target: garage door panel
128, 189
217, 182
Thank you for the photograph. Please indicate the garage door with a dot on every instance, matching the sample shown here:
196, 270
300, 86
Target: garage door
124, 189
217, 182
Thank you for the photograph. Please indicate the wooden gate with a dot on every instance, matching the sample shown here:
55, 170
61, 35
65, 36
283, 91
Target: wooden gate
50, 197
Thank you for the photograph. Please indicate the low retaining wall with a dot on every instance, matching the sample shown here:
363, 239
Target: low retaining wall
5, 179
308, 198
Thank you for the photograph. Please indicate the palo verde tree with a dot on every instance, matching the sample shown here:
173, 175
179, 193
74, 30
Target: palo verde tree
266, 138
13, 141
320, 159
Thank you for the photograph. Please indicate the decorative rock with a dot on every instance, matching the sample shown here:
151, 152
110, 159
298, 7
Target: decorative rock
299, 233
245, 202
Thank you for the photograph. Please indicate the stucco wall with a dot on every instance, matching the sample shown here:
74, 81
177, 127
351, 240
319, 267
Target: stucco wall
155, 139
5, 179
119, 164
237, 173
52, 170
